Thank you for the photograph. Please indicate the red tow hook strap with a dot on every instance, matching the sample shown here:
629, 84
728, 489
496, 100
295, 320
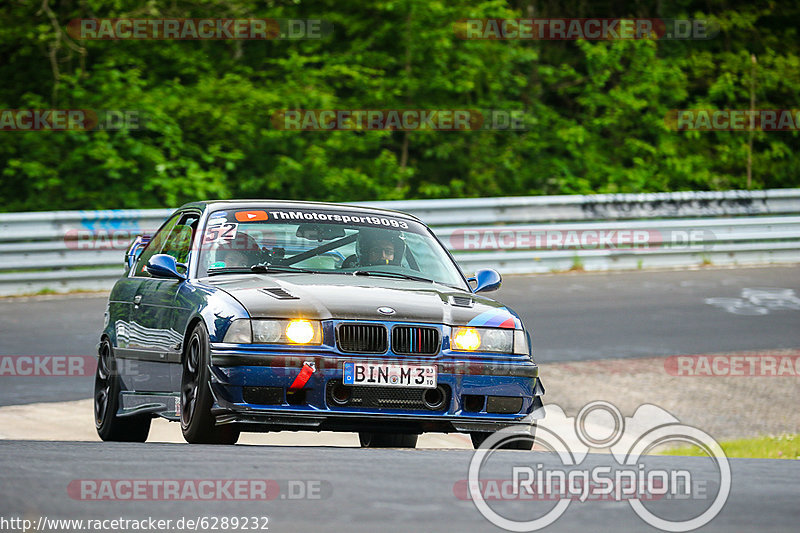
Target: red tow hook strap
304, 375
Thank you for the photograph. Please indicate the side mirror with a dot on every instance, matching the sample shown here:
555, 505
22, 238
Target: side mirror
164, 266
486, 280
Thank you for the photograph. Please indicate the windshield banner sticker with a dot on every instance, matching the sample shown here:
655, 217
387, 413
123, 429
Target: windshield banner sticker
335, 217
261, 215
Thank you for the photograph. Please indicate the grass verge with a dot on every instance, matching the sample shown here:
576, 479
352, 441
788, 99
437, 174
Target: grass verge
769, 447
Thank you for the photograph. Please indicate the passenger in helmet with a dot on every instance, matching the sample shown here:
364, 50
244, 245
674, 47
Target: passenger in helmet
241, 251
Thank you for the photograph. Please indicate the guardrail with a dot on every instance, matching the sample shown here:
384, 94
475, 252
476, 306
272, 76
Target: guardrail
70, 250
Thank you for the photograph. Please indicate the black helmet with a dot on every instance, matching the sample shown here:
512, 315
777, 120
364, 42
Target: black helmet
373, 247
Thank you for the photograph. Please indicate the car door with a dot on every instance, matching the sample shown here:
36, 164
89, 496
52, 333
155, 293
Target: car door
153, 342
130, 337
179, 300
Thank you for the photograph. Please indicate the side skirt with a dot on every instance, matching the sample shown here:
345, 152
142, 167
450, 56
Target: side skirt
163, 405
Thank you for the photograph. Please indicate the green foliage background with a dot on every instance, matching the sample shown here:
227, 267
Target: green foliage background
596, 109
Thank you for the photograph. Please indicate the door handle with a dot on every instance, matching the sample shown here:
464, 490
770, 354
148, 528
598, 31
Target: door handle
137, 299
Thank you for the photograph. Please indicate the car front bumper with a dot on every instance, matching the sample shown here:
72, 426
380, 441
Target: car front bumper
253, 389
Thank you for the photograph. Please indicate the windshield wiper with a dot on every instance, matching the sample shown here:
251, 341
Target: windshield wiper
258, 269
398, 275
265, 269
229, 270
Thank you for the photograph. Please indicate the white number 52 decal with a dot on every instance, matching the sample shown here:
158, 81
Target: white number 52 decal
221, 232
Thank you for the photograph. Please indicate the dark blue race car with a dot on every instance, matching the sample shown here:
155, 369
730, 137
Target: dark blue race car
284, 316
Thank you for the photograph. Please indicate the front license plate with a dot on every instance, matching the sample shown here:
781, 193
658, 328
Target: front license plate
388, 375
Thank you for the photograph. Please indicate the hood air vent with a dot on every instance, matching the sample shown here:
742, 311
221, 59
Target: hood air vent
279, 293
461, 301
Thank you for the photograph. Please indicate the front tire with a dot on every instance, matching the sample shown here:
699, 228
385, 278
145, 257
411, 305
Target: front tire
387, 440
198, 425
111, 427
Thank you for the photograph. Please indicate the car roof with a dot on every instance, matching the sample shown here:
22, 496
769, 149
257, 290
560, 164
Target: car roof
213, 205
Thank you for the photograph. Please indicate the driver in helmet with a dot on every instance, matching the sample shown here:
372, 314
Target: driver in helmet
380, 252
375, 248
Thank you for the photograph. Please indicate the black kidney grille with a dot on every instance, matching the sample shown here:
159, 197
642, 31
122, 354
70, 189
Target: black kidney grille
415, 340
362, 338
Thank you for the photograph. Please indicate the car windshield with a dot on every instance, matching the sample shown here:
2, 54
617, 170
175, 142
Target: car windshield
280, 240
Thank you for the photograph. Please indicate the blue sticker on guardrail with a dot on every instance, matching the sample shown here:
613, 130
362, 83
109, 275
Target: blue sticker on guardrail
111, 219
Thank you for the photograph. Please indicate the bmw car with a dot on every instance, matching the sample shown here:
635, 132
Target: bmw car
285, 316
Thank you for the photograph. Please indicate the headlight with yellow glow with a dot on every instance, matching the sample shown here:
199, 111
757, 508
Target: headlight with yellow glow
466, 339
297, 331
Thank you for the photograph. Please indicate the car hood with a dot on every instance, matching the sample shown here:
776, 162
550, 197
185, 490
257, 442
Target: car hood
359, 298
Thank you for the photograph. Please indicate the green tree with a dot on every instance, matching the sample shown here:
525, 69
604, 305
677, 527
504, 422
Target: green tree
595, 110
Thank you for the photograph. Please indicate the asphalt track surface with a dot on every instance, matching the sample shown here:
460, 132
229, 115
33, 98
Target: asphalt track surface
574, 317
365, 490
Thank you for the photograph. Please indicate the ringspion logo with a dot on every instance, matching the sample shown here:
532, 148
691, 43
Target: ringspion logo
670, 495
